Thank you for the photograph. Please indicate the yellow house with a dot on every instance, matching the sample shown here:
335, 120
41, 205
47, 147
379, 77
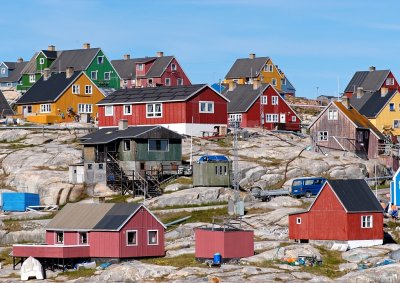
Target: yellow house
382, 108
60, 97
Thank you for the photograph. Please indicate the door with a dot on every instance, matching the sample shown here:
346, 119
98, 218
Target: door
24, 111
80, 175
282, 118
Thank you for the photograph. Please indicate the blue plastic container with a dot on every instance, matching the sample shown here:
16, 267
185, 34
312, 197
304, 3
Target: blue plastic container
217, 258
19, 201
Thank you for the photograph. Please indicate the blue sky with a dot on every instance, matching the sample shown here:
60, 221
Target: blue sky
315, 42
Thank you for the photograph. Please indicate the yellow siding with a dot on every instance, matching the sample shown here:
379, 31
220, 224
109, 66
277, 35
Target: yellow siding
59, 108
385, 119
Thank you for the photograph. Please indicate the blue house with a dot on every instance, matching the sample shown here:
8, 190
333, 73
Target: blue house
287, 88
10, 73
395, 189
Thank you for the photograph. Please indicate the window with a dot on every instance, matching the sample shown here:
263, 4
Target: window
271, 118
332, 114
390, 81
158, 145
127, 145
88, 89
131, 238
366, 221
391, 107
179, 81
83, 238
283, 81
32, 78
167, 81
41, 61
154, 110
45, 108
298, 220
90, 166
100, 59
268, 68
85, 108
206, 107
108, 110
293, 118
59, 237
396, 124
153, 237
140, 67
107, 76
173, 67
273, 81
264, 99
127, 109
3, 71
274, 100
101, 166
76, 89
235, 117
323, 136
150, 81
93, 75
221, 170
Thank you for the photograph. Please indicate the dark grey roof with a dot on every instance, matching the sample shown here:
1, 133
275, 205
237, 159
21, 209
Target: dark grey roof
106, 135
50, 54
158, 67
10, 65
355, 195
126, 68
371, 103
368, 80
152, 94
47, 91
246, 67
116, 216
242, 97
16, 73
5, 109
79, 59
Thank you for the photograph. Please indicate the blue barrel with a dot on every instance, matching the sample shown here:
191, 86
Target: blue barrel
217, 258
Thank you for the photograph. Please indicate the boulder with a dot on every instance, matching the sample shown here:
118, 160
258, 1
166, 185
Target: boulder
348, 266
361, 254
13, 135
251, 176
294, 251
177, 187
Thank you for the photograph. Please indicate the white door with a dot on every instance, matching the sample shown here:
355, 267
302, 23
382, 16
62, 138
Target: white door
282, 118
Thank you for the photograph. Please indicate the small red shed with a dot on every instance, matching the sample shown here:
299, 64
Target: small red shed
344, 210
103, 230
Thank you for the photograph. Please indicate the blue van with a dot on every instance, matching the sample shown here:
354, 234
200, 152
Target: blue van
306, 187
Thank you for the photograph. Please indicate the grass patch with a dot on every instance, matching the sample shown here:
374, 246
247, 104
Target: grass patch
267, 264
191, 205
119, 199
74, 274
257, 210
225, 142
186, 260
18, 146
15, 224
181, 180
5, 257
58, 168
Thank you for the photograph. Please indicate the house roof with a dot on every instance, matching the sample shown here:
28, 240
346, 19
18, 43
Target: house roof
79, 59
50, 54
368, 80
49, 90
5, 108
107, 135
16, 73
242, 97
90, 216
246, 68
159, 66
371, 103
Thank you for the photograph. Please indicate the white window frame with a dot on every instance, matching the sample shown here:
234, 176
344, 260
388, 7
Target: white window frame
154, 113
298, 220
271, 118
109, 76
84, 108
108, 112
273, 82
392, 107
79, 238
396, 124
3, 71
206, 108
268, 68
136, 237
140, 67
322, 135
129, 107
32, 78
88, 89
173, 67
155, 150
179, 81
293, 118
148, 237
56, 241
333, 114
125, 148
235, 117
264, 99
367, 221
76, 89
167, 82
41, 61
45, 108
100, 58
93, 75
390, 81
275, 100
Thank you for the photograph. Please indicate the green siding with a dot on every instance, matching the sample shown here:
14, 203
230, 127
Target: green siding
47, 62
106, 66
25, 84
173, 154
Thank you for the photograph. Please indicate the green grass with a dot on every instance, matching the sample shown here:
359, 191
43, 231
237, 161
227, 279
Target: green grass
58, 168
18, 145
74, 274
186, 260
5, 257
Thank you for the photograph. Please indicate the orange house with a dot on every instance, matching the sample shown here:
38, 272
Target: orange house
60, 97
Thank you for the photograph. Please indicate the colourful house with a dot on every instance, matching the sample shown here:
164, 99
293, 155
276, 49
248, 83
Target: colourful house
5, 109
103, 230
345, 211
60, 97
260, 105
150, 71
10, 73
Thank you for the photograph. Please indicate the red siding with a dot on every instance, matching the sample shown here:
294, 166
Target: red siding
51, 251
104, 244
358, 233
50, 237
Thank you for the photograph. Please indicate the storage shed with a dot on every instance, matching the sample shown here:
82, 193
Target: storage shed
212, 171
19, 201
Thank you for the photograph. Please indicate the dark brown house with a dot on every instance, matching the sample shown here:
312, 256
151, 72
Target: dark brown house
342, 127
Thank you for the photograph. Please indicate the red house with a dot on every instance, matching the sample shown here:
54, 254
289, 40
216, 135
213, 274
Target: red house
103, 230
189, 110
371, 81
345, 211
260, 105
150, 71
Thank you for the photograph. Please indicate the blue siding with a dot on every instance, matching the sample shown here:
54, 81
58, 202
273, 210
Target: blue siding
19, 201
6, 73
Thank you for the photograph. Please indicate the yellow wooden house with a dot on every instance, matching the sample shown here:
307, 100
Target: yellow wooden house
382, 108
60, 97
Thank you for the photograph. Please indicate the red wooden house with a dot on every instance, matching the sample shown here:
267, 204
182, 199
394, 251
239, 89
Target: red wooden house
345, 211
189, 110
260, 105
371, 81
103, 230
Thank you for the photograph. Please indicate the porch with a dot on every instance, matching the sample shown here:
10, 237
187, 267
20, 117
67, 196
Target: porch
51, 251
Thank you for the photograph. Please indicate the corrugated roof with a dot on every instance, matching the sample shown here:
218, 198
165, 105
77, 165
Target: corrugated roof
370, 104
49, 90
16, 72
355, 195
5, 108
246, 68
368, 80
242, 97
79, 59
30, 67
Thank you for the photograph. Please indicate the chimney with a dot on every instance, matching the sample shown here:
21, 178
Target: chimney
51, 48
232, 85
127, 56
372, 68
20, 60
122, 124
69, 72
384, 91
345, 101
86, 45
360, 92
256, 84
160, 54
252, 55
46, 74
